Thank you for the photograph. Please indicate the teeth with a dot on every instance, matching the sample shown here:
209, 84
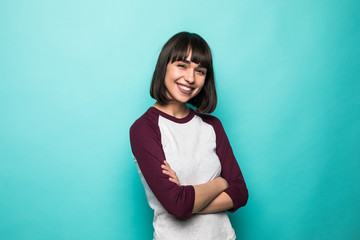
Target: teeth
185, 88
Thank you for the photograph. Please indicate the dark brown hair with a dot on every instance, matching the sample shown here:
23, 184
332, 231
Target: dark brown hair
178, 48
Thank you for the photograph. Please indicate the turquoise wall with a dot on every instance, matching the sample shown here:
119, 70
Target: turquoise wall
74, 76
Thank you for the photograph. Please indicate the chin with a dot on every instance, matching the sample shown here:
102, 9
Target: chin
182, 101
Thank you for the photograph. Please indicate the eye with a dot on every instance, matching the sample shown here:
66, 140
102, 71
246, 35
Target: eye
180, 65
201, 71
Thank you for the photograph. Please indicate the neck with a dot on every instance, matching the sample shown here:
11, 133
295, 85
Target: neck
174, 109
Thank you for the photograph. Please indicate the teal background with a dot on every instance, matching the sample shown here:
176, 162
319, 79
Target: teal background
74, 76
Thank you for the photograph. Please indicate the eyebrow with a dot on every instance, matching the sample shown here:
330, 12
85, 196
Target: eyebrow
189, 62
185, 61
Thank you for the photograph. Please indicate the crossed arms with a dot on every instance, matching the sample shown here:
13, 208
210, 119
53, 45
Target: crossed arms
227, 192
209, 197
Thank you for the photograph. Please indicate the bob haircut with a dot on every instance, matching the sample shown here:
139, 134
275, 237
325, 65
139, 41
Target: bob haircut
176, 49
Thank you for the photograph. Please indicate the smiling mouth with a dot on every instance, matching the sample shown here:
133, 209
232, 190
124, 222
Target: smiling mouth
184, 89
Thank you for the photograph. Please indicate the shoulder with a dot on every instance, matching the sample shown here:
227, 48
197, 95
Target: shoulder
210, 119
146, 123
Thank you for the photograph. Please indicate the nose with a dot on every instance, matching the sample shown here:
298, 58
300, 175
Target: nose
190, 76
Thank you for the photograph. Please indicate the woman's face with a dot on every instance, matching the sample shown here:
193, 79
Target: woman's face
184, 79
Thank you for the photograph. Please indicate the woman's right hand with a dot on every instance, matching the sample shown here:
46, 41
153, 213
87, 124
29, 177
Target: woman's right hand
171, 173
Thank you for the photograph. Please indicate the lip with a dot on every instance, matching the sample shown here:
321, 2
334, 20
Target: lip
183, 90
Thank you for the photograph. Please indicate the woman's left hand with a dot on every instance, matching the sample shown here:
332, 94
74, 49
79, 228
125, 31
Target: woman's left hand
171, 173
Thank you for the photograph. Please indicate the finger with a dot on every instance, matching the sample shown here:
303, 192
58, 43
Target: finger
169, 174
167, 164
167, 167
174, 181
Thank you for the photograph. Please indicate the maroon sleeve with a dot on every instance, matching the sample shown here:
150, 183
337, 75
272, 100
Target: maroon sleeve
230, 169
146, 146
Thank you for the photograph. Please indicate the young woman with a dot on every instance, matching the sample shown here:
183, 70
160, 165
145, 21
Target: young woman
189, 172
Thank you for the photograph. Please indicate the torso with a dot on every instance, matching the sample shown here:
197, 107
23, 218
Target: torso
189, 145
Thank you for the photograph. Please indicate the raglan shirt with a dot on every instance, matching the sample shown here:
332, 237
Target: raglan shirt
198, 150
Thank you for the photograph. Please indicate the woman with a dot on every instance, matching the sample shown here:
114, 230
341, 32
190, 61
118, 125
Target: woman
181, 153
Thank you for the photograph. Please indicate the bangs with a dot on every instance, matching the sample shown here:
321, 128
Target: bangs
200, 51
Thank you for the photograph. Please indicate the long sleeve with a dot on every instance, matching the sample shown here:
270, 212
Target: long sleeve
230, 169
146, 146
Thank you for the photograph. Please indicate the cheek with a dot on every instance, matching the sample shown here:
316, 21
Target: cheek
200, 88
167, 80
202, 83
174, 75
171, 76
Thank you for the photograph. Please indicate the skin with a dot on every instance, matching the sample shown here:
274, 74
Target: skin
183, 81
181, 73
220, 203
